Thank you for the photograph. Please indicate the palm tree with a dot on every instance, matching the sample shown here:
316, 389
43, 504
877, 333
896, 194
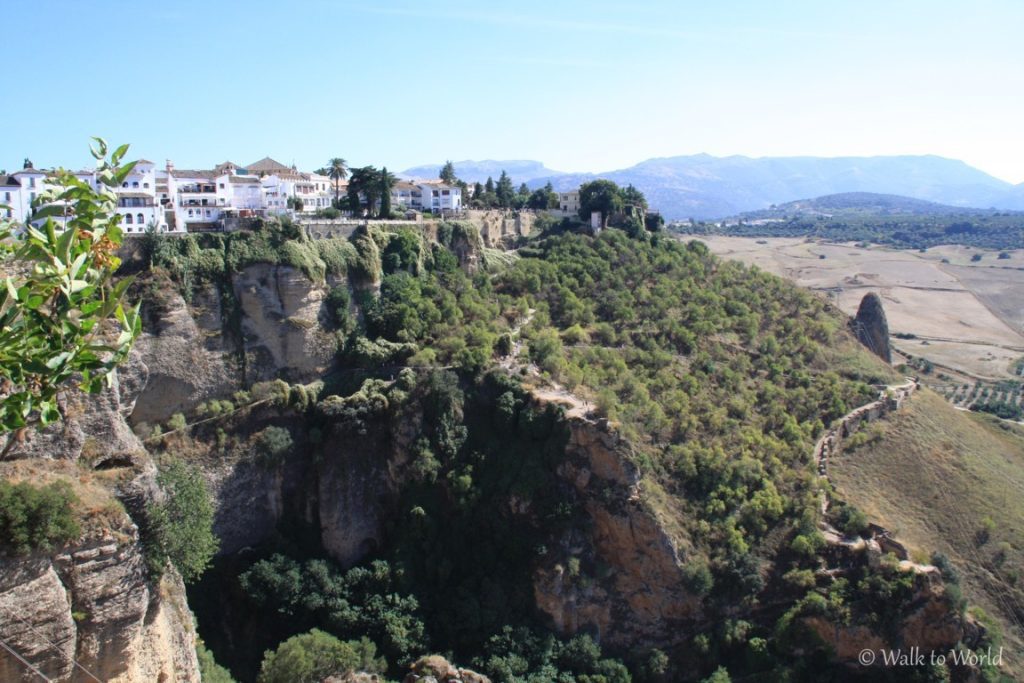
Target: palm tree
337, 170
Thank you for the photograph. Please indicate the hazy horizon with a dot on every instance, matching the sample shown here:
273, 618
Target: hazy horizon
582, 87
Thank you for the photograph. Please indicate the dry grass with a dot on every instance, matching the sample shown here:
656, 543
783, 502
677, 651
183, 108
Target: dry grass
96, 508
934, 478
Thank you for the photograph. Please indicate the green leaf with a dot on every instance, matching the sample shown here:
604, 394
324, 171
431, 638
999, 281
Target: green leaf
116, 157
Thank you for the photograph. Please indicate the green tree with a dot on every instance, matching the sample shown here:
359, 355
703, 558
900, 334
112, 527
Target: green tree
543, 198
337, 170
312, 657
478, 190
633, 197
447, 173
489, 185
504, 191
364, 185
180, 526
59, 296
385, 183
600, 195
209, 670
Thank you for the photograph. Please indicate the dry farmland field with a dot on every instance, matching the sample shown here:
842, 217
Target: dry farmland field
963, 314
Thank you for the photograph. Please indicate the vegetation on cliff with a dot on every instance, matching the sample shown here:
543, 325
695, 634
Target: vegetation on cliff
720, 376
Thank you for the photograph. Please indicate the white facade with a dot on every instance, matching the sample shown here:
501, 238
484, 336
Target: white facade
439, 197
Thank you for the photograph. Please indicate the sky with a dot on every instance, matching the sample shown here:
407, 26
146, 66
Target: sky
580, 85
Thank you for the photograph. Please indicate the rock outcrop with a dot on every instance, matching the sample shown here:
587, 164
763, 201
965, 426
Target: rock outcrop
90, 605
634, 595
501, 227
437, 669
89, 609
280, 324
871, 327
191, 357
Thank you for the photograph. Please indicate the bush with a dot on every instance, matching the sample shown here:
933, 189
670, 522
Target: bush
36, 518
176, 422
180, 527
697, 577
312, 657
209, 670
274, 442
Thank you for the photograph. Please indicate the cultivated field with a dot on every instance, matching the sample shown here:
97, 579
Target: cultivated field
967, 316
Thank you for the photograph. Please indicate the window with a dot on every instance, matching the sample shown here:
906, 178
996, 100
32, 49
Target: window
135, 183
190, 212
445, 193
7, 196
124, 184
145, 185
128, 219
222, 186
140, 219
31, 182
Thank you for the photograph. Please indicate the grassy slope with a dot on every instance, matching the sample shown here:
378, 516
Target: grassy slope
932, 478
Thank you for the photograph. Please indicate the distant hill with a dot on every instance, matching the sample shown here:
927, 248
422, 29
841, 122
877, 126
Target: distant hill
872, 203
478, 171
702, 186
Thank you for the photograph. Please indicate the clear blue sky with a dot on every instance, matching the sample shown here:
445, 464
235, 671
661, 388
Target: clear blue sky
580, 85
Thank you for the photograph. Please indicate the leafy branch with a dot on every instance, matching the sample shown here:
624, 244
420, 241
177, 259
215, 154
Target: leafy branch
59, 299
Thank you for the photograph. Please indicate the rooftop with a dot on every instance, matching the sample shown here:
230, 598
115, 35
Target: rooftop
268, 165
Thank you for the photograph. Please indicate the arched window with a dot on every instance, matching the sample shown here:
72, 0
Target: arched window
128, 219
135, 184
140, 219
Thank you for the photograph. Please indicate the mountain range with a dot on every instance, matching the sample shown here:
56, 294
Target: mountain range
702, 186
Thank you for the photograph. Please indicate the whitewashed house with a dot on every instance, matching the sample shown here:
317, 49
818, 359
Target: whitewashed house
10, 198
281, 183
440, 197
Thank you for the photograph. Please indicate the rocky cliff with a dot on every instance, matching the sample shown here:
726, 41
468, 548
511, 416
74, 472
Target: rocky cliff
634, 594
90, 608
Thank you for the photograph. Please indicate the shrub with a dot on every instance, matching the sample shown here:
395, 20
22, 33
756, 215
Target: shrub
697, 577
209, 670
176, 422
274, 442
180, 527
36, 518
312, 657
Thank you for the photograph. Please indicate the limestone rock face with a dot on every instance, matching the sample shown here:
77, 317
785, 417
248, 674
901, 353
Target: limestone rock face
640, 601
190, 357
871, 327
499, 227
280, 316
90, 603
930, 624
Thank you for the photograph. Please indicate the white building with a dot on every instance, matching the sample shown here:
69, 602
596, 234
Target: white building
440, 197
31, 182
405, 196
281, 183
10, 198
